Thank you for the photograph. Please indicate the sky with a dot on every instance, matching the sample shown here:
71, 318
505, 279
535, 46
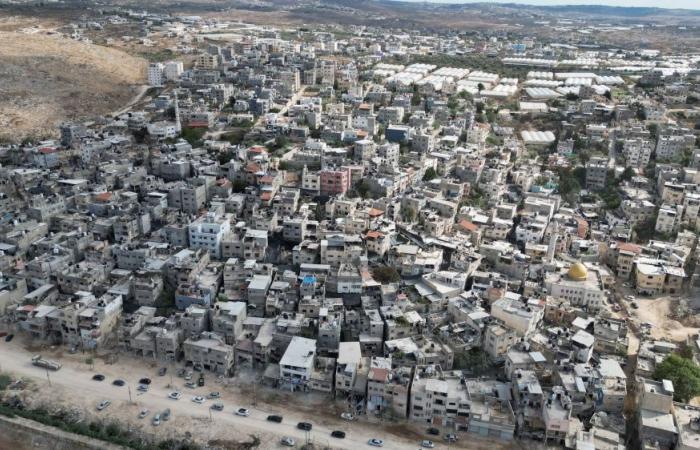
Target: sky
687, 4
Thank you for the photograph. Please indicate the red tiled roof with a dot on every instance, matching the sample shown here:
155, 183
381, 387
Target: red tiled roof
378, 374
629, 247
374, 234
252, 167
103, 197
468, 226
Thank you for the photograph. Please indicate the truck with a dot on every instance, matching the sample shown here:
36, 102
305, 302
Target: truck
38, 361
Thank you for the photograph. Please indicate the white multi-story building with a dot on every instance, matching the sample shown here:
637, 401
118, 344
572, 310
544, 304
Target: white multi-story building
172, 70
637, 151
297, 363
155, 74
521, 316
207, 231
672, 147
669, 218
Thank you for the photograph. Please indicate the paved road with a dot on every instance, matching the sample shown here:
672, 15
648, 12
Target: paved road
78, 381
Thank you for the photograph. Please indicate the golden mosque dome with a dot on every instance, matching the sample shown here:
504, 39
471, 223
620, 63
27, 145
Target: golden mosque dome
578, 272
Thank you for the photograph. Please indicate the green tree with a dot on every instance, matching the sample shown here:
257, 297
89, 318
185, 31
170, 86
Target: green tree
363, 189
644, 230
416, 98
409, 214
5, 381
193, 135
569, 186
683, 373
474, 361
429, 174
385, 274
238, 186
627, 174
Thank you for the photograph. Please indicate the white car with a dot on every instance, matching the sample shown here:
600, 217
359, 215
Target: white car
199, 399
143, 413
427, 444
287, 442
174, 395
347, 416
629, 297
242, 412
376, 442
103, 404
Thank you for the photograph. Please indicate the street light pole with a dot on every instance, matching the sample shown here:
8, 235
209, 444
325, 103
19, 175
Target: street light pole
47, 375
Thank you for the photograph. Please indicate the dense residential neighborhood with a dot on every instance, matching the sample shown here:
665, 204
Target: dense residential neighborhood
471, 234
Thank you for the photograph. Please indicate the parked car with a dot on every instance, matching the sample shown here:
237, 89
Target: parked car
200, 381
242, 412
162, 371
174, 395
427, 444
9, 337
629, 297
635, 305
451, 437
103, 404
287, 442
338, 434
98, 377
143, 413
145, 381
198, 399
274, 418
191, 384
181, 372
306, 426
434, 431
166, 415
188, 376
218, 406
143, 388
156, 420
374, 442
214, 394
347, 416
119, 382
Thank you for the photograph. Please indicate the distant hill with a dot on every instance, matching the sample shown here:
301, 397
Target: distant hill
588, 10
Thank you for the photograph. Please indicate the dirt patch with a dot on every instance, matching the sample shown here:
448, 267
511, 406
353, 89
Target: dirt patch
48, 79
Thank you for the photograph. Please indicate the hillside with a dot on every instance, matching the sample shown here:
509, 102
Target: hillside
48, 79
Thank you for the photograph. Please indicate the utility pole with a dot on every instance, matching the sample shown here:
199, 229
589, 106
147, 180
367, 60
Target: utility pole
47, 375
255, 394
129, 388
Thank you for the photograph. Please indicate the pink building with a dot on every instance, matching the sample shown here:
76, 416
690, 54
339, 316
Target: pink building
335, 181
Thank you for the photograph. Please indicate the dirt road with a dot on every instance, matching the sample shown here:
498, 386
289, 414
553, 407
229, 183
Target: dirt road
73, 384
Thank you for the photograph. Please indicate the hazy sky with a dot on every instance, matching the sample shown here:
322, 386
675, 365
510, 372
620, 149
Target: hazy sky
688, 4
